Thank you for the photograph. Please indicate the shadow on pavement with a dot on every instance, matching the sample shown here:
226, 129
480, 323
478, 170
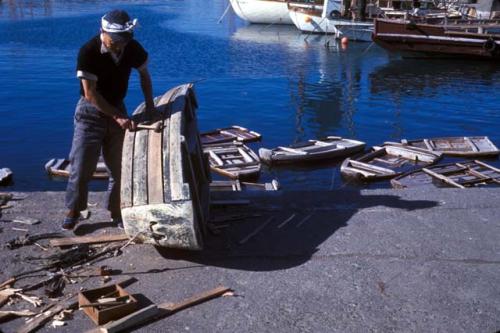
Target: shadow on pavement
279, 231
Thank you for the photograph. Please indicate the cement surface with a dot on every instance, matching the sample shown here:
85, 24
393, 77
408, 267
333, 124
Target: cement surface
348, 261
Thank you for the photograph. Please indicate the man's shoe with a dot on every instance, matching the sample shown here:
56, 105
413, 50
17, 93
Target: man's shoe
69, 222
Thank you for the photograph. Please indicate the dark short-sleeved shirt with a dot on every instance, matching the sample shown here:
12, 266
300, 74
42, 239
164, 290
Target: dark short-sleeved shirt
112, 78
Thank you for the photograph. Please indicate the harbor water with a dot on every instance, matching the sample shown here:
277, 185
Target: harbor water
272, 79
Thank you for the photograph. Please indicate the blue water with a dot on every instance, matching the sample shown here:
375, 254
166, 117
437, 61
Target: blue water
272, 79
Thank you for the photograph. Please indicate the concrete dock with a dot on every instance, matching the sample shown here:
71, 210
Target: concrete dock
337, 261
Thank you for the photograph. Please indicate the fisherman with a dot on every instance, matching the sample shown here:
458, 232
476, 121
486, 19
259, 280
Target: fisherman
104, 66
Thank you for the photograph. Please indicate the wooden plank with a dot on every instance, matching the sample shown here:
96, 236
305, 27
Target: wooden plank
373, 168
441, 177
194, 300
176, 173
245, 156
471, 144
131, 320
167, 194
487, 166
215, 158
127, 169
155, 168
292, 150
87, 240
140, 169
428, 145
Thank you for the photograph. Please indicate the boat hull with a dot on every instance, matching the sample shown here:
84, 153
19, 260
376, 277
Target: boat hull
164, 184
414, 40
313, 23
262, 11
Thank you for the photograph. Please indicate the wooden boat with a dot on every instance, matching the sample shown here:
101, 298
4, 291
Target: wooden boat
229, 134
460, 175
233, 160
164, 188
464, 39
5, 176
312, 150
60, 167
327, 19
238, 186
262, 11
466, 146
387, 161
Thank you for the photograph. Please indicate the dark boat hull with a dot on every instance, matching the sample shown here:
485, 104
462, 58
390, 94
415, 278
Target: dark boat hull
436, 40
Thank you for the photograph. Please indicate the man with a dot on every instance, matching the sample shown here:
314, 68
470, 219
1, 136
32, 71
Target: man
104, 66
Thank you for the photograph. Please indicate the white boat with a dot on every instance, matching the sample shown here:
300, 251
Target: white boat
327, 19
262, 11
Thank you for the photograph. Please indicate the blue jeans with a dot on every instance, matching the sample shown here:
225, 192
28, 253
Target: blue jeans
94, 133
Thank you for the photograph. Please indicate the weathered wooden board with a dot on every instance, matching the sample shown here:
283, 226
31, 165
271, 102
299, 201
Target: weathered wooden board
165, 191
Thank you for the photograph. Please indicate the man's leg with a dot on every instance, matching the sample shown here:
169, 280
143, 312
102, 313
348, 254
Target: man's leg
85, 150
112, 153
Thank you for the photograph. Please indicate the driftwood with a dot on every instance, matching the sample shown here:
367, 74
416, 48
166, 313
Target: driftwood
87, 240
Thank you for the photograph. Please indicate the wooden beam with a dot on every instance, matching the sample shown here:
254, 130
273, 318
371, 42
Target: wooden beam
87, 240
194, 300
163, 310
441, 177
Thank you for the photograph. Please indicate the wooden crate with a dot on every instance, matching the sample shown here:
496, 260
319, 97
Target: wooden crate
102, 316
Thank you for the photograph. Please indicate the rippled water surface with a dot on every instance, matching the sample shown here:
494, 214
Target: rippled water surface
272, 79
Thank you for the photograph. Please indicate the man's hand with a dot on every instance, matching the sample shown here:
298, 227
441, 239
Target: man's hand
125, 122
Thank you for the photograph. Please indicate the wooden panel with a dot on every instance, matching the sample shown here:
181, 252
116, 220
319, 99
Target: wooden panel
155, 168
176, 160
140, 169
127, 169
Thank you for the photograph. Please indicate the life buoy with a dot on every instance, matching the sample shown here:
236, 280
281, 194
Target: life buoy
334, 14
490, 45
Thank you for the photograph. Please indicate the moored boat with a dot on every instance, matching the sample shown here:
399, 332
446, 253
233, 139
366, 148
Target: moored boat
312, 150
238, 186
233, 159
387, 161
466, 146
459, 175
61, 167
5, 176
229, 134
458, 39
262, 11
328, 19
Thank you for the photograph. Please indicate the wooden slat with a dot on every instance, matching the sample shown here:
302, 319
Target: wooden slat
155, 169
441, 177
167, 194
127, 170
487, 166
140, 169
176, 174
87, 240
471, 144
369, 167
292, 150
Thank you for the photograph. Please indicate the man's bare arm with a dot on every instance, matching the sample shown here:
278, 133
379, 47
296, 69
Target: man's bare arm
147, 87
94, 97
